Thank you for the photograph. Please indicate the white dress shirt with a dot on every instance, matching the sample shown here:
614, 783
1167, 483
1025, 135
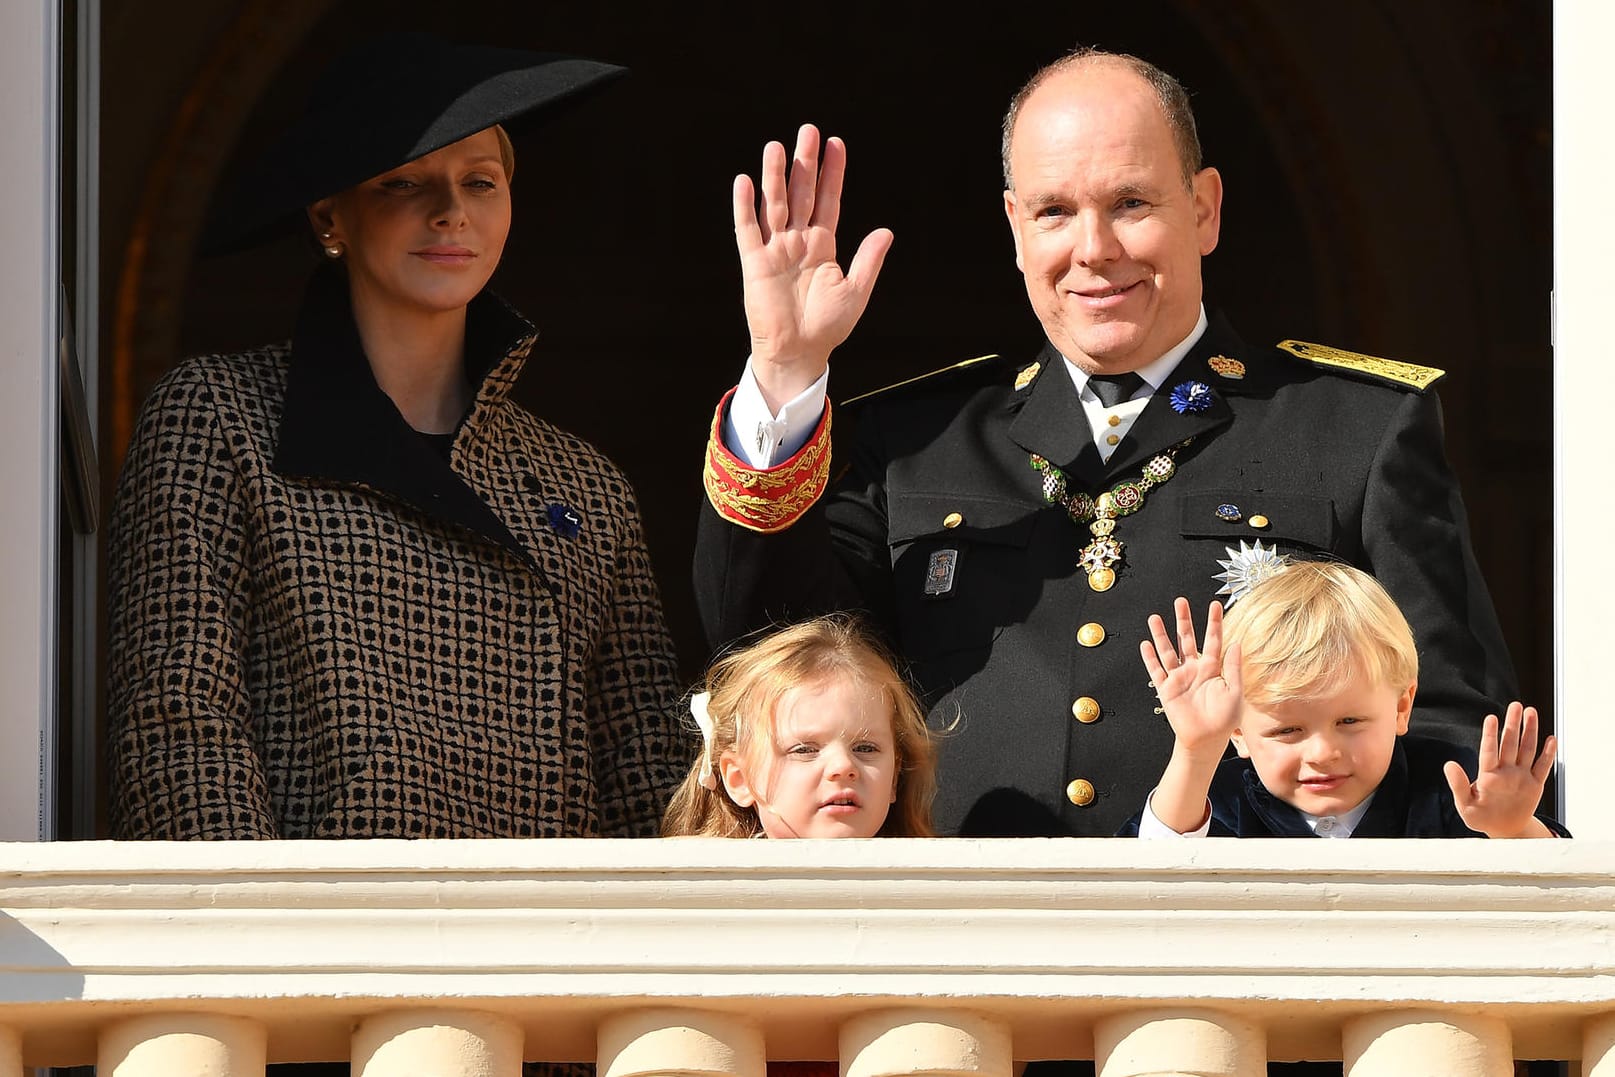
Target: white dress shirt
1110, 425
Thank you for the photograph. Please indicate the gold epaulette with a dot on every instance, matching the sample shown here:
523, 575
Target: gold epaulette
922, 377
1409, 374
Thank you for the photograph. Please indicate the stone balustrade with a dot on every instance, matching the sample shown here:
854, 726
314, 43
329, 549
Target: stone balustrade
708, 958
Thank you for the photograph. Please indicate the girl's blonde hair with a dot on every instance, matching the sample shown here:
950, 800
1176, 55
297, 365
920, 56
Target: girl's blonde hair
1305, 631
745, 687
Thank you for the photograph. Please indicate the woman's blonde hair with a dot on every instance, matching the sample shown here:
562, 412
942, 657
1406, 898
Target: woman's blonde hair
1306, 630
507, 152
745, 686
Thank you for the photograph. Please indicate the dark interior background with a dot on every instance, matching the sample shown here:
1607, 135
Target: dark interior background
1386, 167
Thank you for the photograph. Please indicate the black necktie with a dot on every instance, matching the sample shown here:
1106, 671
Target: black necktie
1113, 389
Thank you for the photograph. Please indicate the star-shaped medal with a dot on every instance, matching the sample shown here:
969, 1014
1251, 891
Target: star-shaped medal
1247, 567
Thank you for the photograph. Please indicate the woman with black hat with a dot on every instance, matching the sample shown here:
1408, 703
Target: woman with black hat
357, 591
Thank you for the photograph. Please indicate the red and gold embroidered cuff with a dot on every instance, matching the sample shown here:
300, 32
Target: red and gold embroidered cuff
771, 499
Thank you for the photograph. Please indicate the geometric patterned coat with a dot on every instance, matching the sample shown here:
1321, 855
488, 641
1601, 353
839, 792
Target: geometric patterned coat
321, 628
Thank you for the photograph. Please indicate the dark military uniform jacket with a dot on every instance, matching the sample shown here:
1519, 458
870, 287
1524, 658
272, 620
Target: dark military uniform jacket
1412, 801
321, 627
937, 473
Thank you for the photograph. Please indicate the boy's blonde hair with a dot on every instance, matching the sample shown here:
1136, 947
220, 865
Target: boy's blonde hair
745, 687
1305, 631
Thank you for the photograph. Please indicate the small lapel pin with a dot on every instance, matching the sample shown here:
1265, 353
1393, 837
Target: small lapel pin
566, 521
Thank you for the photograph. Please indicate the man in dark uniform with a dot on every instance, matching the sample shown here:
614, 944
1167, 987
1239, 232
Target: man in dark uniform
1012, 524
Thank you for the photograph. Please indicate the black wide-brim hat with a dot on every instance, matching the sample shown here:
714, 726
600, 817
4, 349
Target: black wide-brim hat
389, 100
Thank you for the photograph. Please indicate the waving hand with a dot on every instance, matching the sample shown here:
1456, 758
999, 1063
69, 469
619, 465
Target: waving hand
799, 303
1199, 691
1500, 802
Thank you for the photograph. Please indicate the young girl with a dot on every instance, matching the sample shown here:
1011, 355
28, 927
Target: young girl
808, 733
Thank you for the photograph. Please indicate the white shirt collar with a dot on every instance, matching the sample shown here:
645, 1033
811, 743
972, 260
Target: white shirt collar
1158, 371
1337, 826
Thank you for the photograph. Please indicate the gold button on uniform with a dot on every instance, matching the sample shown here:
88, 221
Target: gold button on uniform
1114, 420
1259, 521
1085, 709
1080, 792
1091, 634
952, 520
1111, 439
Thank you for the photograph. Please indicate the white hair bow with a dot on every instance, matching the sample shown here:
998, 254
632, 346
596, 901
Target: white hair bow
698, 711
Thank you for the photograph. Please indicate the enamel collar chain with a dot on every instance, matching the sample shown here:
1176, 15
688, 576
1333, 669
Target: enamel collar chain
1100, 512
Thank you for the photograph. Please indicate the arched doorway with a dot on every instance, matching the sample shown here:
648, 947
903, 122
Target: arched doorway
1387, 169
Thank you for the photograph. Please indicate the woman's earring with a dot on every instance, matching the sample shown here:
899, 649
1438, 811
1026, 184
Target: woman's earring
332, 250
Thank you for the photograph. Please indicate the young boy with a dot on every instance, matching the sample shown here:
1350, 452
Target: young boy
1315, 692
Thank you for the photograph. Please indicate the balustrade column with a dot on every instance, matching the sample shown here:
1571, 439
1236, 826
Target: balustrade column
165, 1044
643, 1043
938, 1043
1427, 1043
1598, 1047
444, 1043
10, 1052
1179, 1043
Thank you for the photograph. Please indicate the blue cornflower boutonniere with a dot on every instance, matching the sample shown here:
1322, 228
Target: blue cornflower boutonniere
1191, 397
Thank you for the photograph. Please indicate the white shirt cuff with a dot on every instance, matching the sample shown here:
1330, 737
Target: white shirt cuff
1150, 826
762, 439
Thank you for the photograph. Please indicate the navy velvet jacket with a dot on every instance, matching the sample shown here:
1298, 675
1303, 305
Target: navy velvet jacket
1414, 800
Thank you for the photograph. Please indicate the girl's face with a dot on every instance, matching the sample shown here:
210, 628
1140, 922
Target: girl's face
831, 769
426, 236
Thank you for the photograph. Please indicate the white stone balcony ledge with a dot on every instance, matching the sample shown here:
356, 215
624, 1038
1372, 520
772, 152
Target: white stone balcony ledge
707, 956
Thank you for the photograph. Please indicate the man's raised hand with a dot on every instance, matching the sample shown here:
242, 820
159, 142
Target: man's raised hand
799, 303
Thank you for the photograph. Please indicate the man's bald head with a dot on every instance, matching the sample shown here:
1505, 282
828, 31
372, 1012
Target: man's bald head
1169, 91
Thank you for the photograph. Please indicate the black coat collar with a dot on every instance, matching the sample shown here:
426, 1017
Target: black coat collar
1051, 421
338, 426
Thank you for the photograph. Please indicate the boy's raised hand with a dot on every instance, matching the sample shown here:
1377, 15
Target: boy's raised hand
1502, 800
1199, 691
